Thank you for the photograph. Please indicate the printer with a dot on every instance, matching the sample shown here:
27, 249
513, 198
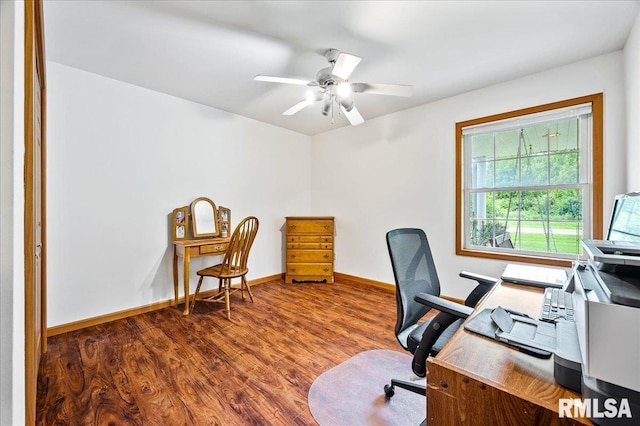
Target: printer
607, 312
598, 355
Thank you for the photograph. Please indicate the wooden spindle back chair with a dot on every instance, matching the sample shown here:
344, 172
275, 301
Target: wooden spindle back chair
234, 265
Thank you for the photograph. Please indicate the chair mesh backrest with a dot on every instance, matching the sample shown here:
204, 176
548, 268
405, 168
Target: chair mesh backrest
414, 272
235, 259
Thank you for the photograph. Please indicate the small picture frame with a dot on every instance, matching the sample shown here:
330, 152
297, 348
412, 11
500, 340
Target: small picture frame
179, 232
225, 221
180, 223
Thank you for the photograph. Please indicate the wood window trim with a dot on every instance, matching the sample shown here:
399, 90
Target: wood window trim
596, 101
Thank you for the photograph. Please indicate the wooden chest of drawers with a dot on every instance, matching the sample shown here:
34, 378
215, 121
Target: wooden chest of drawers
309, 252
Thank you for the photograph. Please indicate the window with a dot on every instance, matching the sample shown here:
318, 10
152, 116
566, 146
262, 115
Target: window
529, 182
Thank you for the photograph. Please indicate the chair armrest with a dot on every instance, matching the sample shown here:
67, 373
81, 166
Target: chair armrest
481, 279
484, 285
443, 305
430, 336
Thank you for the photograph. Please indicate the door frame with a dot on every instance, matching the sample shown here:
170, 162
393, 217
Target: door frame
35, 333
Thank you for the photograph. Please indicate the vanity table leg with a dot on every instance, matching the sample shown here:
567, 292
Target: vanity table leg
185, 265
175, 277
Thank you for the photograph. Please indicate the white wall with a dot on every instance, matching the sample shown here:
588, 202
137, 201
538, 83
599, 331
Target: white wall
375, 170
121, 158
12, 389
399, 170
632, 86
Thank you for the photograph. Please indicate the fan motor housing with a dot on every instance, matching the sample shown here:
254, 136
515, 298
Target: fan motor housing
325, 78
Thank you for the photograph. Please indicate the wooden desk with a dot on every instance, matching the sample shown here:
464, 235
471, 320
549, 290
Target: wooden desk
477, 381
186, 249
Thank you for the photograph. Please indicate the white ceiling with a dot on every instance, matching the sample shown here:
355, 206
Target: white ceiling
209, 51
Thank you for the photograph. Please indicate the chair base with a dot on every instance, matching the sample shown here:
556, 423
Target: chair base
389, 389
224, 291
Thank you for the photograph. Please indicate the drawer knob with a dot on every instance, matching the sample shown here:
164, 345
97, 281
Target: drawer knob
292, 269
326, 269
293, 256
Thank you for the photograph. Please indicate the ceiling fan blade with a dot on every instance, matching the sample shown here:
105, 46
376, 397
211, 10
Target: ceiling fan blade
297, 107
382, 89
344, 66
303, 103
353, 116
282, 80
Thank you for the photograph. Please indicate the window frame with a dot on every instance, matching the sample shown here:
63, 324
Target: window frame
595, 184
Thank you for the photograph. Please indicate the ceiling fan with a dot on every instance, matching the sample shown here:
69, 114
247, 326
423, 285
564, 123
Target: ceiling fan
335, 89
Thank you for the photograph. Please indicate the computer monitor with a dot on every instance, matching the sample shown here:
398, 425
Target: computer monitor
622, 243
625, 218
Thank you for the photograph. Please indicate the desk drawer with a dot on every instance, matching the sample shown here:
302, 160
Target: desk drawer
310, 246
305, 238
318, 240
309, 269
310, 227
304, 256
214, 248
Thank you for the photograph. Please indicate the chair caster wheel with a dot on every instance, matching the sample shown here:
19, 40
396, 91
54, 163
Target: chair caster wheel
389, 391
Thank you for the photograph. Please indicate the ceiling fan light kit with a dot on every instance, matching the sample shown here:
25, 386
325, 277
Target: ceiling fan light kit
335, 89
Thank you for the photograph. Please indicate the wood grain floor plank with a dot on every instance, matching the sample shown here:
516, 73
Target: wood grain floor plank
161, 368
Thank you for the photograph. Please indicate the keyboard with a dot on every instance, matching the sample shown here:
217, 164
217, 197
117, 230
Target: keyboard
557, 304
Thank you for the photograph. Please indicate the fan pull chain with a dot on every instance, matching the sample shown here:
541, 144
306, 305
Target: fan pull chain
333, 99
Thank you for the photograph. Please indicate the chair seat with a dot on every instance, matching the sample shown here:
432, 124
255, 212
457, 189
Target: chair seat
414, 335
219, 272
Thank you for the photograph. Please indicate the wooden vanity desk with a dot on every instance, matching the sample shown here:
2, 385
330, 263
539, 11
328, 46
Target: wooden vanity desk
187, 249
200, 229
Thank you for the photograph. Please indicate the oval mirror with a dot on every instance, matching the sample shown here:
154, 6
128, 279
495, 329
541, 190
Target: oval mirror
204, 218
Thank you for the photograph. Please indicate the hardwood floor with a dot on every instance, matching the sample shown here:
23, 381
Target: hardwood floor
161, 368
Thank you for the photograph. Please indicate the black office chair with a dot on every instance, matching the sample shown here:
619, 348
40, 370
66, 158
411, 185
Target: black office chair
417, 292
